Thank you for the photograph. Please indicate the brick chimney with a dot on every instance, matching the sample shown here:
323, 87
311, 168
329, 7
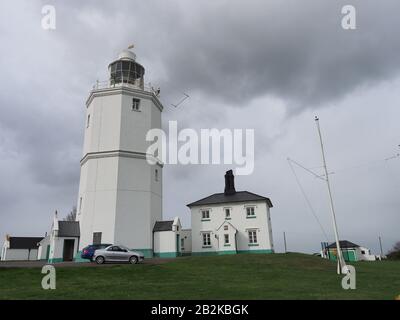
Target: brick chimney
229, 183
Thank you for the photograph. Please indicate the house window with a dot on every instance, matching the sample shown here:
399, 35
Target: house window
227, 213
225, 227
205, 214
250, 212
206, 239
88, 121
182, 244
362, 252
252, 236
135, 104
226, 238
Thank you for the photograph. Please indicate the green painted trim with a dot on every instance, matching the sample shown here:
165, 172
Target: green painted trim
206, 247
228, 218
254, 244
205, 253
227, 245
165, 254
256, 251
349, 255
79, 259
55, 260
205, 219
214, 253
222, 252
251, 217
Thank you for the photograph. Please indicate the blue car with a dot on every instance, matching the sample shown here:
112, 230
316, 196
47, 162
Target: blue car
88, 252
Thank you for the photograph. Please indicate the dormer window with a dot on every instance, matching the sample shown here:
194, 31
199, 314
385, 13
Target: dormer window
135, 104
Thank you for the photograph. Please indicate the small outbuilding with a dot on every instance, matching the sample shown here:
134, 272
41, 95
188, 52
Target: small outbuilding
168, 238
62, 243
350, 251
20, 248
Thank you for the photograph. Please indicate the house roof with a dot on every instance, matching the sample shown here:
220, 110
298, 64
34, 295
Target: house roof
163, 225
239, 196
24, 242
344, 244
68, 229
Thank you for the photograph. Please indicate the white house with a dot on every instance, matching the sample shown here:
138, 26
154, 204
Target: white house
231, 222
20, 248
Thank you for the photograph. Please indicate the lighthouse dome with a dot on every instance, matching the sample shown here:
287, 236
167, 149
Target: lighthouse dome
125, 70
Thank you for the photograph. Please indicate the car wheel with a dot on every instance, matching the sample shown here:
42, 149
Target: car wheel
133, 260
100, 260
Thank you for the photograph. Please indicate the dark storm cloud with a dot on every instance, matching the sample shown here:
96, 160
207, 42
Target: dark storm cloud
291, 49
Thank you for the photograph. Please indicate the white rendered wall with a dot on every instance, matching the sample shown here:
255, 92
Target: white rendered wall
42, 250
20, 254
261, 223
120, 195
165, 242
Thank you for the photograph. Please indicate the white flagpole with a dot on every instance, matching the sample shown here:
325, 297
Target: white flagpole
340, 261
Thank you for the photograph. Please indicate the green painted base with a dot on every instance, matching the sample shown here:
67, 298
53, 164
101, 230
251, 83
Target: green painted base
222, 252
166, 254
55, 260
79, 259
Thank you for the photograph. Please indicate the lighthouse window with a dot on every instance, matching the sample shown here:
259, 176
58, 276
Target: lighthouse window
135, 104
88, 121
156, 174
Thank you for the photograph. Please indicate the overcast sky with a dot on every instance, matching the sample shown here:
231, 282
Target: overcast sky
266, 65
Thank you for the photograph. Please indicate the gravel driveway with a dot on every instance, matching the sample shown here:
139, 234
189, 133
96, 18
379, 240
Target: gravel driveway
39, 264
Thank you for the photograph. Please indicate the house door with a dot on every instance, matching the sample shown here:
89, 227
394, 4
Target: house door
68, 251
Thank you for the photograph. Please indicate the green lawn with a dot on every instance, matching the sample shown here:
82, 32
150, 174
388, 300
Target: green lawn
245, 276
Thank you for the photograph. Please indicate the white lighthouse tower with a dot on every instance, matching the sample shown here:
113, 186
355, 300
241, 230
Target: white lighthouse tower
120, 193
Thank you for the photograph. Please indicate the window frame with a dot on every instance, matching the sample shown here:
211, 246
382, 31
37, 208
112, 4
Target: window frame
135, 104
227, 217
252, 209
203, 217
252, 237
226, 239
206, 239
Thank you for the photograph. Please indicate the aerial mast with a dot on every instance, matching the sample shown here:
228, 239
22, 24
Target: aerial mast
341, 264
